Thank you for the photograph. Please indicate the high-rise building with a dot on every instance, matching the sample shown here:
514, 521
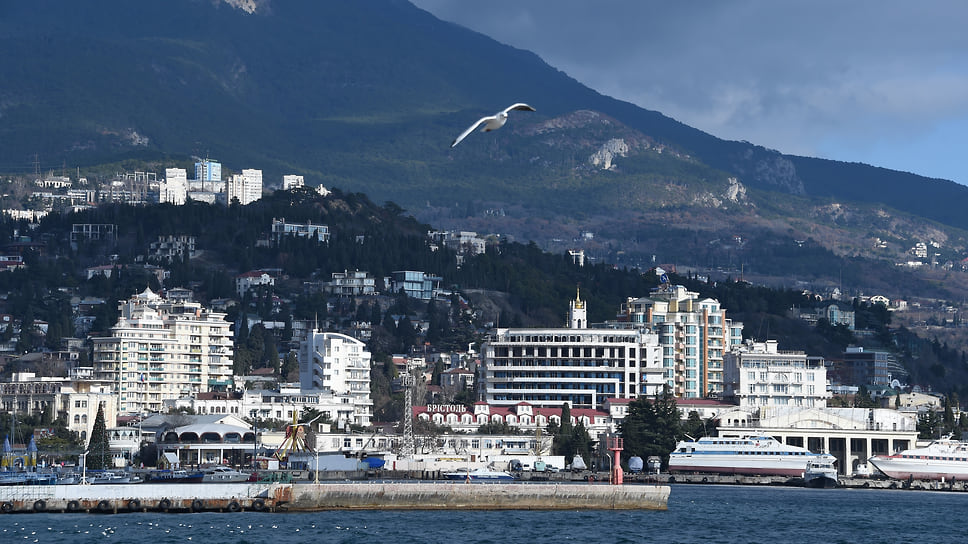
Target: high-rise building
694, 334
577, 365
246, 187
340, 364
208, 170
162, 349
174, 189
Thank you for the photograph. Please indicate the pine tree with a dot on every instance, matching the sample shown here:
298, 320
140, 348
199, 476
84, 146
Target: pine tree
98, 449
652, 427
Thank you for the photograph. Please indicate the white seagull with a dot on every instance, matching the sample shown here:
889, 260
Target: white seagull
493, 122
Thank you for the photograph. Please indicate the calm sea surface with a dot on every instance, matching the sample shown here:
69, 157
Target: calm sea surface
697, 513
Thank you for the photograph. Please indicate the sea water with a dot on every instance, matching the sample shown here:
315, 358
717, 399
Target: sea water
697, 513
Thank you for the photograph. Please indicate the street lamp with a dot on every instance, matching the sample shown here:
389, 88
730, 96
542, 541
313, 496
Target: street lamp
315, 449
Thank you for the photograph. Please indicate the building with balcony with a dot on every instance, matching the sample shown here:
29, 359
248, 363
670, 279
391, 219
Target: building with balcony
577, 365
758, 374
694, 335
418, 285
246, 187
280, 228
161, 350
352, 283
339, 364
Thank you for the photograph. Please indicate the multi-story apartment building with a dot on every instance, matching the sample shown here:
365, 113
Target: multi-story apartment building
352, 283
173, 247
577, 365
160, 350
758, 374
292, 181
174, 188
339, 364
418, 285
208, 170
866, 367
280, 228
694, 334
246, 187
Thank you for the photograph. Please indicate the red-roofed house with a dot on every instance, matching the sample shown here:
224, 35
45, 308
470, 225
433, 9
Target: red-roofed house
248, 280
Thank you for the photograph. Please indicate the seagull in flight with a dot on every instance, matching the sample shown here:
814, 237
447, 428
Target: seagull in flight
493, 122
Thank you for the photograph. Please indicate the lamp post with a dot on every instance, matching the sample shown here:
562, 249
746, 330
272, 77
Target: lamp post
315, 449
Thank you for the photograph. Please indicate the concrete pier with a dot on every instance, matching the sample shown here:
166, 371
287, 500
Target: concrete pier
474, 496
307, 497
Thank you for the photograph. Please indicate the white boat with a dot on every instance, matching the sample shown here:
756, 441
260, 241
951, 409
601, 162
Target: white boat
482, 473
942, 459
101, 478
750, 455
820, 473
224, 474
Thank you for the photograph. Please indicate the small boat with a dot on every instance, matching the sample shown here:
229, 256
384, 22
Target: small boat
482, 473
108, 477
224, 474
821, 473
177, 476
943, 459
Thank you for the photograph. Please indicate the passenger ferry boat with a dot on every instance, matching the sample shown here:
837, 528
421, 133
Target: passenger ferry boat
750, 455
820, 473
942, 459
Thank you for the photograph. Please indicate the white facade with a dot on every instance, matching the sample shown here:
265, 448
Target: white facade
174, 189
694, 334
758, 374
248, 280
161, 350
292, 182
578, 365
246, 187
282, 228
282, 405
340, 364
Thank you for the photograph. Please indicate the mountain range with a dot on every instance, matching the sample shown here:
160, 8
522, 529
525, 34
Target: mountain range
367, 96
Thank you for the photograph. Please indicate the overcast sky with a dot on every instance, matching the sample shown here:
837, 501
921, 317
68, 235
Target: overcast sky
882, 82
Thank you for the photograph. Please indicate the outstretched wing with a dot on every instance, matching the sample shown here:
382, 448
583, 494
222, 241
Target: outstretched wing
519, 106
469, 130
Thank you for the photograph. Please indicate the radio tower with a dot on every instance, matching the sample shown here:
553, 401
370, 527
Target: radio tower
409, 447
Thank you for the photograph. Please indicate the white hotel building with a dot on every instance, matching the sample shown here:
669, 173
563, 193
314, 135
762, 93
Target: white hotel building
577, 365
162, 349
339, 364
758, 374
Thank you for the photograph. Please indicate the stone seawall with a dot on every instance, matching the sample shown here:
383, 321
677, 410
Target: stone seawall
472, 496
307, 497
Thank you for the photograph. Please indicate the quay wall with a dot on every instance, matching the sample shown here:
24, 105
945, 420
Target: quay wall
296, 497
475, 496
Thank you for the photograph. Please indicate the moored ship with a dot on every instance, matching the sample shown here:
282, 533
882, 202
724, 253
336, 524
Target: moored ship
821, 473
748, 455
942, 459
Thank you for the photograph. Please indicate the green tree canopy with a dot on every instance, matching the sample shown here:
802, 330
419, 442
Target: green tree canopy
651, 427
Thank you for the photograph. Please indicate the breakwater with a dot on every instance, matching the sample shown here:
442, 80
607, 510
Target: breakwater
302, 497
